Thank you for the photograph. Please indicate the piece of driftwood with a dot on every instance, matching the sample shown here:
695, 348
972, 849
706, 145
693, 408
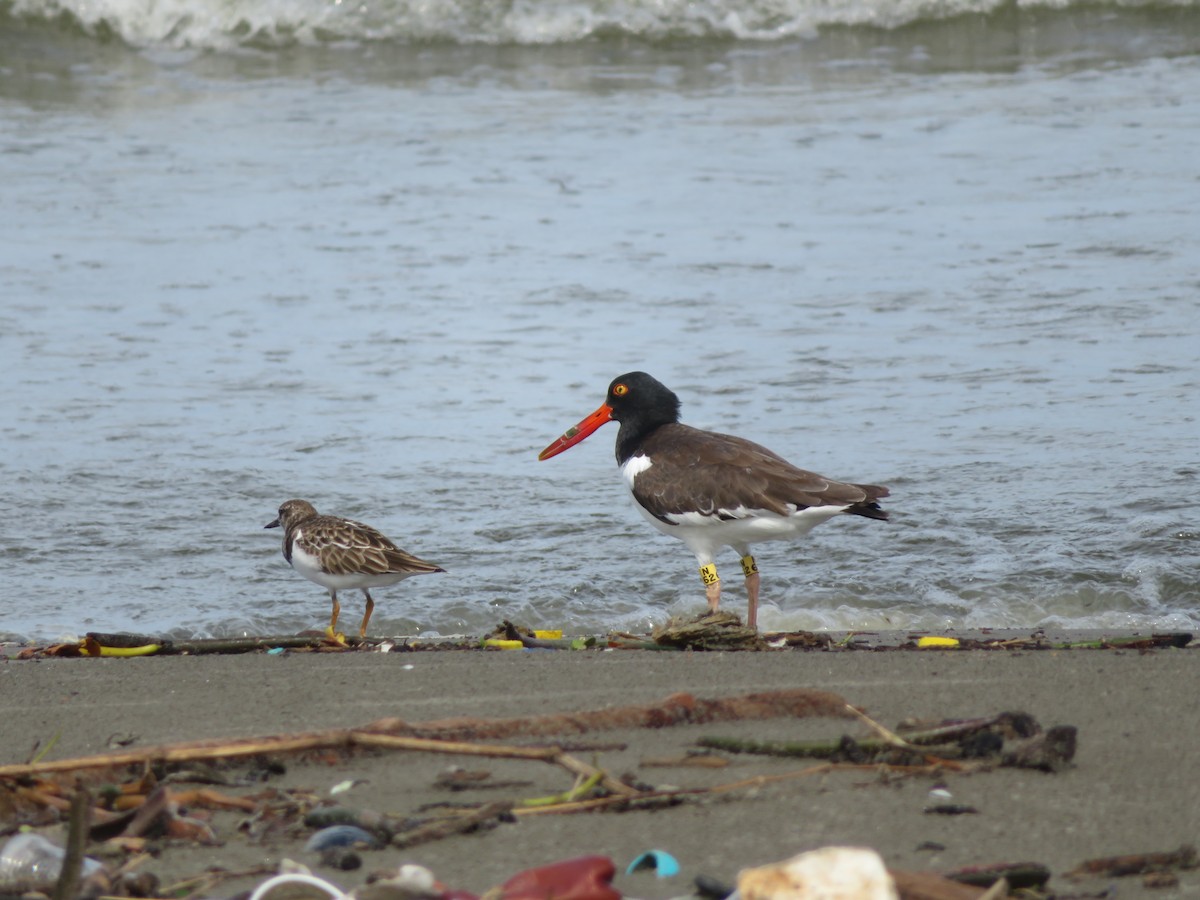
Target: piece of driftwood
1155, 641
931, 886
711, 631
1137, 863
678, 709
981, 739
487, 816
1019, 875
67, 886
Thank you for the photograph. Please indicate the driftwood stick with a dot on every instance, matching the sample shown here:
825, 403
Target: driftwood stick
401, 742
888, 736
1137, 863
938, 741
485, 816
817, 749
184, 752
678, 709
648, 799
67, 886
543, 754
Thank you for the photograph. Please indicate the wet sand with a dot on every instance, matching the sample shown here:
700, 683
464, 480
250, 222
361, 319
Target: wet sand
1131, 789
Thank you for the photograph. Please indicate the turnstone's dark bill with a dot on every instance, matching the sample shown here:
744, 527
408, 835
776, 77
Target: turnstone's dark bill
711, 490
341, 554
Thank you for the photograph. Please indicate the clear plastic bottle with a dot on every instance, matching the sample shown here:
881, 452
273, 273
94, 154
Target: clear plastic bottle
28, 861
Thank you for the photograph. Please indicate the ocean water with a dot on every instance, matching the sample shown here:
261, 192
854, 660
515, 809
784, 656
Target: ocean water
378, 255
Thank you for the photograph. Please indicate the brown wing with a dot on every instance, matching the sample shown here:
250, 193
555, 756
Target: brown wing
727, 476
347, 547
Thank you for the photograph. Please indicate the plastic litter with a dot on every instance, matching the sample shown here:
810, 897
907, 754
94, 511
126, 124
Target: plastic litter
29, 861
296, 886
662, 863
581, 878
341, 836
831, 873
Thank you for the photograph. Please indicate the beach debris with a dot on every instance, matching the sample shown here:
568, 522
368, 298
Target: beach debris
580, 878
448, 735
410, 882
456, 778
830, 873
932, 886
509, 636
326, 816
710, 631
660, 862
949, 809
715, 634
1007, 739
342, 836
464, 822
30, 862
1019, 876
709, 888
935, 642
297, 886
798, 640
1138, 863
1049, 751
157, 815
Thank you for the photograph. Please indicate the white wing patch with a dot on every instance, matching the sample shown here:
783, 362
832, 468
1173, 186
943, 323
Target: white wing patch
633, 467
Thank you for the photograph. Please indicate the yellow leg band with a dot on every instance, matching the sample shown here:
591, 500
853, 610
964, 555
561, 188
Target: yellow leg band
708, 574
749, 566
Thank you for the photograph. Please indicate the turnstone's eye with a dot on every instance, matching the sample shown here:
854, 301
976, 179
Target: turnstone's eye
620, 390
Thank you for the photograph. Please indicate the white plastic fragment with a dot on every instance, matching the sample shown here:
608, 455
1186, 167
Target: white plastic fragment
831, 873
297, 886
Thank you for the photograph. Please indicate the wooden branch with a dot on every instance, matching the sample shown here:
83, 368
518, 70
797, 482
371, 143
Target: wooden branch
484, 816
678, 709
67, 886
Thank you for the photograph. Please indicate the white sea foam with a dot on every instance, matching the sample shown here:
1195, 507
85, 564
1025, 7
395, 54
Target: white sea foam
224, 24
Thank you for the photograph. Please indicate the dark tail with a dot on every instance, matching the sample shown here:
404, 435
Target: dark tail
870, 508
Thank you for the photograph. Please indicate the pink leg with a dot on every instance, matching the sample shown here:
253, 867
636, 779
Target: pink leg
752, 590
713, 593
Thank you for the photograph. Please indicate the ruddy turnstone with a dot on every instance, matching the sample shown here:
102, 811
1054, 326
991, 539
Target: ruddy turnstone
711, 490
341, 554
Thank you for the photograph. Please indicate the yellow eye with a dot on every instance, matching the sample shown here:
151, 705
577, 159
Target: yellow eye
620, 390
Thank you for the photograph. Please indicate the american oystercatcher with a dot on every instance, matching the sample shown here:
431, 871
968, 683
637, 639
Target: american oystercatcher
341, 554
711, 490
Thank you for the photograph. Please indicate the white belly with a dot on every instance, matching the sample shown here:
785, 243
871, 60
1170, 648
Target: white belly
705, 535
310, 567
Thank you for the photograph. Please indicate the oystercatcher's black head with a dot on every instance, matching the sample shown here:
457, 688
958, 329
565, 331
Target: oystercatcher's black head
636, 400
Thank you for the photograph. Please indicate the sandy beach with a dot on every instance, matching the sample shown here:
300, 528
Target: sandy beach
1131, 789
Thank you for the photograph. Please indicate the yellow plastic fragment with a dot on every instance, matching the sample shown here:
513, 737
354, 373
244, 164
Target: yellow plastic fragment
146, 650
931, 642
501, 644
549, 634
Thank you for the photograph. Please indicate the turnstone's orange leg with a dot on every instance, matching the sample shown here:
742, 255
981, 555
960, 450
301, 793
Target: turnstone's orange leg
337, 611
362, 632
750, 568
712, 585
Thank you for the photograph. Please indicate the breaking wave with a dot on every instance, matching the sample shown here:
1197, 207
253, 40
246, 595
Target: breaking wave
225, 24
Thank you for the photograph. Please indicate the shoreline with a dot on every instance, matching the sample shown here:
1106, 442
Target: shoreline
1130, 788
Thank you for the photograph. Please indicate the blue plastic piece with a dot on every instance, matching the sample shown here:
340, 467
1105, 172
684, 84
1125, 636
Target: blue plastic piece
341, 836
662, 862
